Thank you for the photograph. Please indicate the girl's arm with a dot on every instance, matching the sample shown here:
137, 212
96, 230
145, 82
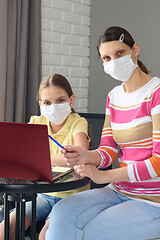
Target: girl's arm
80, 139
58, 161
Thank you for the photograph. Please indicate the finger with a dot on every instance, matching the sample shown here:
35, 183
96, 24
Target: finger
75, 167
70, 155
71, 148
71, 163
74, 161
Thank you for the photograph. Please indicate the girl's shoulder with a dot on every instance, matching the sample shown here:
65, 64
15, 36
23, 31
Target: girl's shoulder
76, 117
75, 120
38, 120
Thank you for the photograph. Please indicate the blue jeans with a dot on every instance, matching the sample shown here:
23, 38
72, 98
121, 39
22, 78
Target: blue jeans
44, 206
102, 214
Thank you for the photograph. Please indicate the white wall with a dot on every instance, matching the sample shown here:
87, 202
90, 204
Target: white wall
142, 19
65, 44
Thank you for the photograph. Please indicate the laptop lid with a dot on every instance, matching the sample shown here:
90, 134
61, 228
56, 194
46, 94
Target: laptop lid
25, 152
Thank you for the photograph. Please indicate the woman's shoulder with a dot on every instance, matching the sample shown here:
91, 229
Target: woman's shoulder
116, 90
155, 82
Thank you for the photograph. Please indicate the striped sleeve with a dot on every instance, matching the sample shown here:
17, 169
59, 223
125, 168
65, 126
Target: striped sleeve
150, 168
107, 148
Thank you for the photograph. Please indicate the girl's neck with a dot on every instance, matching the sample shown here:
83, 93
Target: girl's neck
136, 81
56, 128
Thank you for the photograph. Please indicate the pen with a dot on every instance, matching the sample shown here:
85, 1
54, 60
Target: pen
56, 142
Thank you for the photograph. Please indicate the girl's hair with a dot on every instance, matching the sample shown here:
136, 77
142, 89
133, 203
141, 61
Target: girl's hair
55, 80
113, 34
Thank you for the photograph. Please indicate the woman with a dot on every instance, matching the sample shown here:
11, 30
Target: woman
129, 207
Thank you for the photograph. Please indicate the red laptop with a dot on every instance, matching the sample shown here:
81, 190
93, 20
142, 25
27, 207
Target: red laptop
24, 152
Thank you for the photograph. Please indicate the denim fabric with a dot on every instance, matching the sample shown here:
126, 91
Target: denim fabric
44, 206
102, 214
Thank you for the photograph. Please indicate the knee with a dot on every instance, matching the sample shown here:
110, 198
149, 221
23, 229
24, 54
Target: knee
64, 208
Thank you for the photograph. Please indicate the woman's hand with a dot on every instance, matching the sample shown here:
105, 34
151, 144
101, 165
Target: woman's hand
92, 172
75, 155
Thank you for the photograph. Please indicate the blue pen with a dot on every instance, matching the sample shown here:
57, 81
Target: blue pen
56, 142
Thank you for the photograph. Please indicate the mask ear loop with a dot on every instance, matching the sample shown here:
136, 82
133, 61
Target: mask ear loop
121, 38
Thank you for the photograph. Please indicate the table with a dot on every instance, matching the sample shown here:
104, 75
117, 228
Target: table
21, 191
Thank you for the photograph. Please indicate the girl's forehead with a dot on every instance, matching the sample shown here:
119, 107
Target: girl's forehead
53, 91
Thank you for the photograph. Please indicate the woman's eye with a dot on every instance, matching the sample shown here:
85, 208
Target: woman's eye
119, 53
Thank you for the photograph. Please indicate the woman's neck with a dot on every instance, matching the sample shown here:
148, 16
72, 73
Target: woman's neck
136, 81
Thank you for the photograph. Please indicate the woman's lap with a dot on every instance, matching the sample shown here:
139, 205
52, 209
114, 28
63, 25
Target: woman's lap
131, 219
102, 213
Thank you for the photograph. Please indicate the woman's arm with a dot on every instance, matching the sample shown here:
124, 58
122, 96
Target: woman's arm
77, 155
80, 139
102, 177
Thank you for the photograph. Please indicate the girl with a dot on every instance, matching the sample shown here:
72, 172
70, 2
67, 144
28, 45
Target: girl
129, 207
56, 100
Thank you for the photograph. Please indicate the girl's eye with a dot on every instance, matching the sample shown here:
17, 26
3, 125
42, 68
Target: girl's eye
47, 103
61, 100
106, 58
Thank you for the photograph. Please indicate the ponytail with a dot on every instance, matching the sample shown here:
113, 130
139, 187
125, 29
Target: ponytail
142, 67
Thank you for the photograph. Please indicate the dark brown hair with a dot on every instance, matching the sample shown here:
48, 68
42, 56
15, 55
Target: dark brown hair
56, 80
113, 34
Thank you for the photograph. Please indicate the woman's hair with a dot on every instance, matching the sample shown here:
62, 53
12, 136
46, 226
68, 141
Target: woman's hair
58, 81
113, 34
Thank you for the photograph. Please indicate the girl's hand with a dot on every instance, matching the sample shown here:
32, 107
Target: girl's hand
75, 155
92, 172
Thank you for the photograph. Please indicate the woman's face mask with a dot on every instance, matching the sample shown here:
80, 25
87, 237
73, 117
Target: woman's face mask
121, 68
56, 113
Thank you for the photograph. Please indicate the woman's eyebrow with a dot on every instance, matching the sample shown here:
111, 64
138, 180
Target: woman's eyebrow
118, 49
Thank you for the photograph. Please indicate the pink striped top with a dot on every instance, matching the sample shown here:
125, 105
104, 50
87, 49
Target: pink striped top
133, 123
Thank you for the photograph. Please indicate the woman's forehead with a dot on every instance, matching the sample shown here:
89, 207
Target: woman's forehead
112, 46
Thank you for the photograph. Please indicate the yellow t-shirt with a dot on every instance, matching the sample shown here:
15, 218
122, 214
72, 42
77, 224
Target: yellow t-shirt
74, 124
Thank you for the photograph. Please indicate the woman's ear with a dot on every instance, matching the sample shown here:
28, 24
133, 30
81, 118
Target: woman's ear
72, 100
136, 49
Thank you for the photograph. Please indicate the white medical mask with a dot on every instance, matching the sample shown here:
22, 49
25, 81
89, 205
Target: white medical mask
121, 68
56, 113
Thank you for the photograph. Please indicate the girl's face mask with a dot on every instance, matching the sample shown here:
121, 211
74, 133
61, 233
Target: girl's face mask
56, 113
121, 68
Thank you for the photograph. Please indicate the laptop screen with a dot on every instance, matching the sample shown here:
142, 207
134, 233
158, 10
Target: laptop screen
25, 152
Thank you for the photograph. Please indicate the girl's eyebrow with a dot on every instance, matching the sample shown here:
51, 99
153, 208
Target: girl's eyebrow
45, 100
61, 97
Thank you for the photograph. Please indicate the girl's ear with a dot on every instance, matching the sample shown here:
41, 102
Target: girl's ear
72, 100
40, 103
